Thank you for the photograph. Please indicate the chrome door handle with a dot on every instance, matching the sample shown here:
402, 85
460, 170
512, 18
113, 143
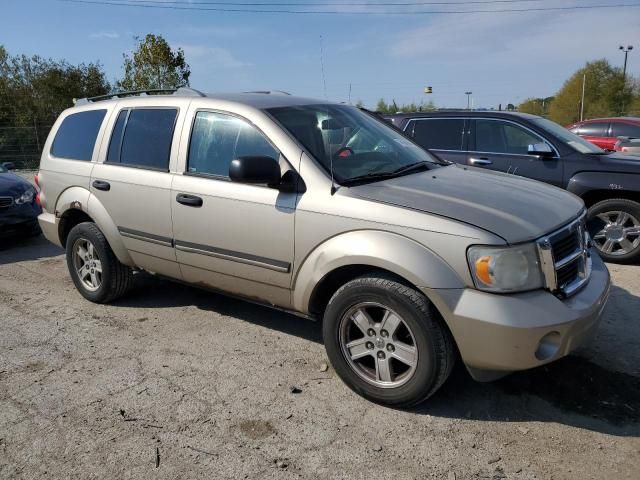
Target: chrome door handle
480, 161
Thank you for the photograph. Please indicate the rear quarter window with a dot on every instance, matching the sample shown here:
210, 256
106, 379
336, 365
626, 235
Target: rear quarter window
77, 135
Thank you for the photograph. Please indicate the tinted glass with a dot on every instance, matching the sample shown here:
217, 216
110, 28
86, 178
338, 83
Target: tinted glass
441, 134
496, 136
352, 141
113, 155
77, 135
595, 129
625, 130
578, 143
217, 139
147, 138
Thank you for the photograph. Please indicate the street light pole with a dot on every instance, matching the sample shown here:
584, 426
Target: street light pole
624, 72
468, 94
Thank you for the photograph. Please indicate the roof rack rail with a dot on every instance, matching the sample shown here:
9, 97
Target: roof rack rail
270, 92
185, 91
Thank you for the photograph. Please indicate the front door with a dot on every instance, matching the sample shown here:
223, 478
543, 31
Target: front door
503, 145
231, 236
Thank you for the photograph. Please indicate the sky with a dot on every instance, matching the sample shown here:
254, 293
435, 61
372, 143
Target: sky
501, 57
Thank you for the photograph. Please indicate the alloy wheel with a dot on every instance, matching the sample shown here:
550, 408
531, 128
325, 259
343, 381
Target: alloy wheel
618, 232
87, 264
378, 345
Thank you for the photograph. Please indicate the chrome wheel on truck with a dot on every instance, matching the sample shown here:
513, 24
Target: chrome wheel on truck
378, 345
614, 226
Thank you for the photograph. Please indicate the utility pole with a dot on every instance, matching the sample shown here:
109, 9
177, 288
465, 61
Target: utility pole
584, 81
468, 94
624, 71
349, 93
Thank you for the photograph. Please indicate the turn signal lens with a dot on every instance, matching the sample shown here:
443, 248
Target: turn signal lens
484, 269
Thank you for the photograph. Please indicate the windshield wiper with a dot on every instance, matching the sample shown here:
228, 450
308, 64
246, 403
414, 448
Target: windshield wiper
375, 176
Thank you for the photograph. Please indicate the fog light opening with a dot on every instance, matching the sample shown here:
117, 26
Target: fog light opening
548, 346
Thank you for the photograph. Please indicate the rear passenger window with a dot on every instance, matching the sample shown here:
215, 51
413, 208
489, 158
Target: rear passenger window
441, 134
625, 130
77, 135
142, 137
217, 139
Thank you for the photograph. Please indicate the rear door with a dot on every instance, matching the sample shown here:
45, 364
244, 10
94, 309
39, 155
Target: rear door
499, 144
446, 137
625, 129
134, 181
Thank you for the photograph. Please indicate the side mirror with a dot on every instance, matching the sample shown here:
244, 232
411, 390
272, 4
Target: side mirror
9, 165
255, 169
540, 149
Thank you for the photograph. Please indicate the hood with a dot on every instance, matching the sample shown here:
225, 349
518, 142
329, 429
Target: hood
621, 162
515, 208
12, 185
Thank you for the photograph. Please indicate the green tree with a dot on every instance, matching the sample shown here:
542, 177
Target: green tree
535, 106
154, 64
604, 94
33, 92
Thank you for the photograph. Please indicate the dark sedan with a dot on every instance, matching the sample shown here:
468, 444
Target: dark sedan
18, 207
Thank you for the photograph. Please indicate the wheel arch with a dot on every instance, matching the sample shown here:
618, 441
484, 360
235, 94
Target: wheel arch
349, 255
76, 205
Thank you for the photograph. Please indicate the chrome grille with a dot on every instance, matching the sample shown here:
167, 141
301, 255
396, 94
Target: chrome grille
6, 202
565, 258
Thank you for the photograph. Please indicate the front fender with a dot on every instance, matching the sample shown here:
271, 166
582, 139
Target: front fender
389, 251
582, 183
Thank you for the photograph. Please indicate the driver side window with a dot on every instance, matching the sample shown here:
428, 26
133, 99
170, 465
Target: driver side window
495, 136
217, 139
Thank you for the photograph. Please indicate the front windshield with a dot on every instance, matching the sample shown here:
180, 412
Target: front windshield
358, 144
579, 143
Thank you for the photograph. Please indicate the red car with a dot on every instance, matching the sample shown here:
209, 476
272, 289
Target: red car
604, 132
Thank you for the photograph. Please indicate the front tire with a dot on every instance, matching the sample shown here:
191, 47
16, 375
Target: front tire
96, 272
614, 226
386, 341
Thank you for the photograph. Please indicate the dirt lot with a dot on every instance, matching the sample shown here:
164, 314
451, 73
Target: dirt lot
174, 382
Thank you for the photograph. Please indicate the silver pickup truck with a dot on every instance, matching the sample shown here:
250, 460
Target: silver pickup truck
324, 210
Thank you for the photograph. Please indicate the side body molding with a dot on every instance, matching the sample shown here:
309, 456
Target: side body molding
390, 251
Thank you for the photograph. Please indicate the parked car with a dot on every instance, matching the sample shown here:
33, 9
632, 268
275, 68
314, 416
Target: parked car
604, 132
328, 212
630, 146
18, 208
540, 149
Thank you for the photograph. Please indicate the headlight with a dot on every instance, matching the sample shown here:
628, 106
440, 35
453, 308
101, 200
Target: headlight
26, 197
505, 269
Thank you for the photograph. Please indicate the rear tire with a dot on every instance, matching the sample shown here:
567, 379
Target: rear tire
614, 226
387, 342
96, 272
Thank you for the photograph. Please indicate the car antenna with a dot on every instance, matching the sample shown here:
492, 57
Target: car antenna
324, 86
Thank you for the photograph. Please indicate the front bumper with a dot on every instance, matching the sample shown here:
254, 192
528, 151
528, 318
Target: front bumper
18, 218
497, 334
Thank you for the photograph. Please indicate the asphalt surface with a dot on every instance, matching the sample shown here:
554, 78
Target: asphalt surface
175, 382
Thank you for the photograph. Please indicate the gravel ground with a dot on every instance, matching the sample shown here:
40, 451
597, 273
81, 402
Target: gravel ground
174, 382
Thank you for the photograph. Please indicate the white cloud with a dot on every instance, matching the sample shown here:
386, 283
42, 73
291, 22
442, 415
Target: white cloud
111, 35
213, 56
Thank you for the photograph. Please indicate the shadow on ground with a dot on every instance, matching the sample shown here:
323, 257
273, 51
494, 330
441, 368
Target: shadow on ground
573, 391
22, 248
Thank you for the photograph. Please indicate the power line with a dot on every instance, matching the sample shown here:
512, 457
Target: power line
332, 4
162, 5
